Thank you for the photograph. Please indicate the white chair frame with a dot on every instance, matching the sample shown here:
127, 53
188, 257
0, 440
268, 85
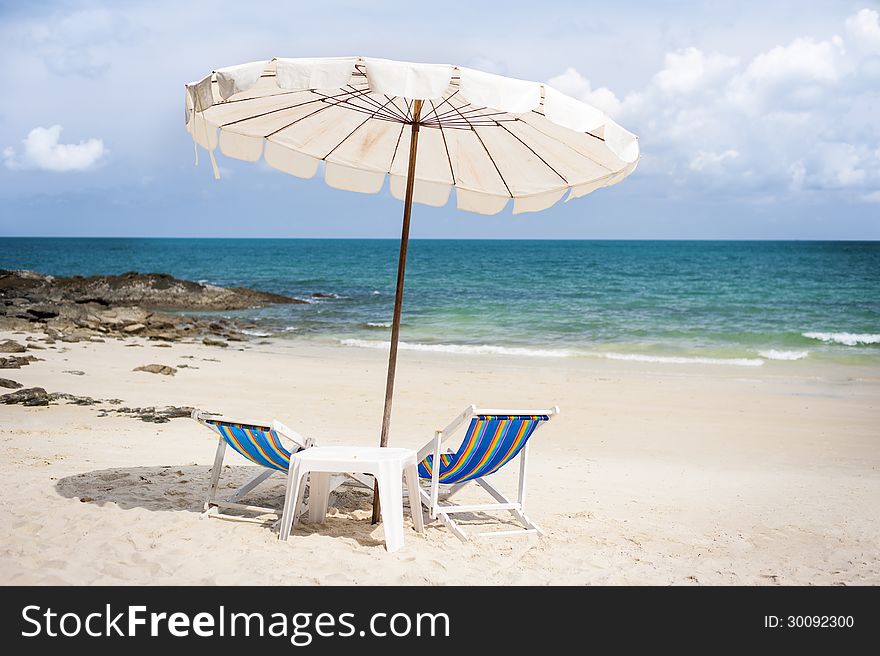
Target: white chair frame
433, 498
213, 505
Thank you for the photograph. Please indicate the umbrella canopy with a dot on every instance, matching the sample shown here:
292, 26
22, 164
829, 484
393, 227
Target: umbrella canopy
426, 127
493, 138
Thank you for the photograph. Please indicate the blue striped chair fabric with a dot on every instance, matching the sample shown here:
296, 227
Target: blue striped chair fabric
259, 444
490, 442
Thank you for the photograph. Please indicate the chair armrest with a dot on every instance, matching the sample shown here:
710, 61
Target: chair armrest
429, 448
291, 435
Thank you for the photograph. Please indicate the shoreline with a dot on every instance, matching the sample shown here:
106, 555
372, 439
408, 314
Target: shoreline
652, 473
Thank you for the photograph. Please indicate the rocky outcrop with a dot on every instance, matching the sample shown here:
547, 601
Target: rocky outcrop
149, 290
11, 346
16, 362
30, 396
143, 304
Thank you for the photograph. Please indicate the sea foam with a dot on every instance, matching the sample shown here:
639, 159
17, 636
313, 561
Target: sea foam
773, 354
847, 339
467, 349
256, 333
674, 359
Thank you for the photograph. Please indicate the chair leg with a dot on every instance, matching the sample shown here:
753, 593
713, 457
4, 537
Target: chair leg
292, 499
454, 489
453, 526
215, 476
516, 512
250, 485
415, 505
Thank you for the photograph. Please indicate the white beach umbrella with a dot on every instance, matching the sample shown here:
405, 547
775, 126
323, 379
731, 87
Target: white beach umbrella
426, 127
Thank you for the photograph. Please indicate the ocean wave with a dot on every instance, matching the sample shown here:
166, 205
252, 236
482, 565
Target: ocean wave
256, 333
378, 324
773, 354
467, 349
847, 339
674, 359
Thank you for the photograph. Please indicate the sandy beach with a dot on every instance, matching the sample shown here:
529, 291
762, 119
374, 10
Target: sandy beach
653, 474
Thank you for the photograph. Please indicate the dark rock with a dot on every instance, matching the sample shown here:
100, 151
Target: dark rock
208, 341
11, 346
162, 369
29, 396
155, 290
156, 415
42, 312
75, 372
16, 362
78, 308
10, 384
73, 398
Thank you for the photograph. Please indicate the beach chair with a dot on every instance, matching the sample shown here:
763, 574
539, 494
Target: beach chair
262, 444
492, 439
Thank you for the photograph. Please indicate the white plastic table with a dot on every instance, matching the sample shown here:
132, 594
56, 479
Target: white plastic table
388, 465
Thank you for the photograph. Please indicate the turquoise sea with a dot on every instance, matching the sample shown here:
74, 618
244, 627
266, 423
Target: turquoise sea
738, 303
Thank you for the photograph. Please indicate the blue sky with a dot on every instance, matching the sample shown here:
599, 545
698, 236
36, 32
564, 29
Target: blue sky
756, 120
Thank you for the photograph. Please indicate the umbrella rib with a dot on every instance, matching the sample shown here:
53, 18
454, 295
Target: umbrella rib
347, 102
472, 110
268, 95
489, 155
359, 126
436, 107
375, 103
301, 118
589, 134
273, 111
492, 159
506, 129
573, 149
396, 146
445, 145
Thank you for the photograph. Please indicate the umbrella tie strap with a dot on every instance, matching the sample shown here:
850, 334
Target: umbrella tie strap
214, 167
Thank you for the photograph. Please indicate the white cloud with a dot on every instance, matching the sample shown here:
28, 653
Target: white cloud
42, 151
795, 118
577, 86
79, 43
872, 197
793, 75
840, 165
689, 69
864, 29
710, 160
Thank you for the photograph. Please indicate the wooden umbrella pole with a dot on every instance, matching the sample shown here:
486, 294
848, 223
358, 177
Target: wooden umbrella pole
398, 296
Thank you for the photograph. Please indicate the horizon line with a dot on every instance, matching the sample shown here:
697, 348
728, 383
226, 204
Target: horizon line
549, 239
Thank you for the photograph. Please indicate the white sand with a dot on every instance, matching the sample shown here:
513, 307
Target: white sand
653, 474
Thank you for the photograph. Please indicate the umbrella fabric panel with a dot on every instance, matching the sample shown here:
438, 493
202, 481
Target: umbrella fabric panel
490, 137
